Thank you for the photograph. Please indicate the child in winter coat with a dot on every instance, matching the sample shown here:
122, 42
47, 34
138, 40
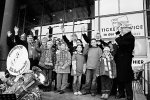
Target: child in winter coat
47, 60
107, 71
78, 68
62, 68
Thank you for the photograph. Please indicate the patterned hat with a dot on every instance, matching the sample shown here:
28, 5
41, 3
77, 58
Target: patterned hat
44, 39
106, 49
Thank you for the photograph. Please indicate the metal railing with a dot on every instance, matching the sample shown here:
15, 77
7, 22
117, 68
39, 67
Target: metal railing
141, 83
146, 79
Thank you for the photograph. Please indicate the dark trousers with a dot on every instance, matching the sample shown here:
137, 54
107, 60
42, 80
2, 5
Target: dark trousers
106, 83
70, 81
83, 78
126, 87
90, 85
34, 62
99, 84
48, 73
114, 87
54, 79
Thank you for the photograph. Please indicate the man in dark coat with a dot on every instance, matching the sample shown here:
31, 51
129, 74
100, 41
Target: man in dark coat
124, 57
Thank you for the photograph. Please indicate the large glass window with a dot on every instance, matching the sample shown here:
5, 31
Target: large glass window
130, 5
118, 6
68, 28
108, 7
140, 49
147, 4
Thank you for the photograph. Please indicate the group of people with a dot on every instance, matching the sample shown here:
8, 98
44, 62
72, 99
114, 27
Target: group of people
106, 66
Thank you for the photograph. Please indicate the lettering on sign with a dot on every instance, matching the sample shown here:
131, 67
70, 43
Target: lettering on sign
138, 61
110, 25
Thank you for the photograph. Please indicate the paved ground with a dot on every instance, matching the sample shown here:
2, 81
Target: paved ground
71, 96
137, 92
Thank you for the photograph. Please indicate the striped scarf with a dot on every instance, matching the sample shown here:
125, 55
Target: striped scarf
107, 64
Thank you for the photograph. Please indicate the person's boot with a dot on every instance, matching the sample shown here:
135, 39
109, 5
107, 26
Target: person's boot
93, 94
48, 88
106, 96
61, 92
119, 96
102, 97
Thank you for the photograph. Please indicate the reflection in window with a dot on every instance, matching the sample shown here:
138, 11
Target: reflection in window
148, 22
127, 5
147, 4
108, 7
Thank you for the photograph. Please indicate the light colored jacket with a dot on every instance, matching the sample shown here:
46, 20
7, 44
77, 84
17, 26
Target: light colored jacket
63, 59
107, 67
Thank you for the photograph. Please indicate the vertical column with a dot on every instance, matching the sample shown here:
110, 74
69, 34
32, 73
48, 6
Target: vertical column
7, 24
97, 18
2, 6
148, 96
89, 30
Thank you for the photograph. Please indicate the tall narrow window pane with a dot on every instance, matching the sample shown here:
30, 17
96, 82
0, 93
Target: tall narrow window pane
130, 5
108, 7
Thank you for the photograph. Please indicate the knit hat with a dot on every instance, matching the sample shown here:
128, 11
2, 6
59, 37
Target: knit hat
44, 39
23, 34
106, 49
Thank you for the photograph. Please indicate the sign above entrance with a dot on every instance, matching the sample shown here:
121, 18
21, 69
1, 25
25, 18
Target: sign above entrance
109, 25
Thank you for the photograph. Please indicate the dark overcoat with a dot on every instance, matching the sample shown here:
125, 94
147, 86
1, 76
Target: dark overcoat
124, 57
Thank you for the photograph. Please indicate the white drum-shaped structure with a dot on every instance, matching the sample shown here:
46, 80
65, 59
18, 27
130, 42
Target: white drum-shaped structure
17, 60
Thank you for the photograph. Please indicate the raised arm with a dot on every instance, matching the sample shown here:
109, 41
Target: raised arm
66, 40
86, 49
103, 42
17, 38
87, 40
37, 46
10, 41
